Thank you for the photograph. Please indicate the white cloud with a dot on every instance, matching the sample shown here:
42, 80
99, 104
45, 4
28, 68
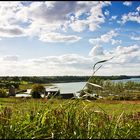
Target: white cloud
127, 3
113, 18
127, 61
7, 12
93, 19
96, 51
131, 16
116, 41
48, 11
138, 8
11, 31
45, 16
106, 13
105, 38
68, 64
96, 17
127, 50
63, 60
57, 37
10, 58
129, 55
8, 21
78, 25
117, 69
135, 38
38, 16
126, 56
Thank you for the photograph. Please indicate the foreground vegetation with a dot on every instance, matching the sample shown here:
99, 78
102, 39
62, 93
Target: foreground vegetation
68, 119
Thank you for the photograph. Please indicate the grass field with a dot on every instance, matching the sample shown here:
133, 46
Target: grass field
68, 119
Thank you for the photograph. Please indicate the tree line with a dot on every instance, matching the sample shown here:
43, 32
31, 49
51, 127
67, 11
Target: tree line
55, 79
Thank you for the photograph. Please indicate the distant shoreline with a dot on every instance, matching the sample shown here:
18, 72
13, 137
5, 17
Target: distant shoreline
59, 79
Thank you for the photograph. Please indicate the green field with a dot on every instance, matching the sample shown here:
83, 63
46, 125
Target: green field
68, 119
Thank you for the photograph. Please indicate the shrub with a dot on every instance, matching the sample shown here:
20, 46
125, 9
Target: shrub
37, 90
3, 93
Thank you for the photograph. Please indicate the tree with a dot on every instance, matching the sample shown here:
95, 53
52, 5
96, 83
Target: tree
3, 93
37, 90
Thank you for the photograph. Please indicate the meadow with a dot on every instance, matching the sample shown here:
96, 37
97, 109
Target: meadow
22, 118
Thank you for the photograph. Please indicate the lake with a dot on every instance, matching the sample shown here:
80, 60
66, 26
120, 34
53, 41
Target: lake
72, 87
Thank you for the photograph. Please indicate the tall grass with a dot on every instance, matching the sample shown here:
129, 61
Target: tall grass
65, 119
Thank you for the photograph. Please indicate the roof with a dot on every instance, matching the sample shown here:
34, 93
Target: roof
52, 89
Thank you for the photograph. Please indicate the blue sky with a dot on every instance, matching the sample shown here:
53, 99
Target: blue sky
68, 37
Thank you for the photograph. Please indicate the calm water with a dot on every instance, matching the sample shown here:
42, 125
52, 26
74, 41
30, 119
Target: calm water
126, 80
70, 87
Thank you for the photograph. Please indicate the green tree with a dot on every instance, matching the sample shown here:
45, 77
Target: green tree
3, 93
37, 90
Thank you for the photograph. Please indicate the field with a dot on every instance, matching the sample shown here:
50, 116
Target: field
68, 119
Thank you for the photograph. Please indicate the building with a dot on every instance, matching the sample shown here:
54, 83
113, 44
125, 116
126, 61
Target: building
68, 95
11, 91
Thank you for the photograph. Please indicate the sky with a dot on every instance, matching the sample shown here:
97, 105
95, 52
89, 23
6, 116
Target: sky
56, 38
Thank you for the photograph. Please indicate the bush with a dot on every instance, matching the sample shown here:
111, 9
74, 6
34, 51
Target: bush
37, 90
3, 93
